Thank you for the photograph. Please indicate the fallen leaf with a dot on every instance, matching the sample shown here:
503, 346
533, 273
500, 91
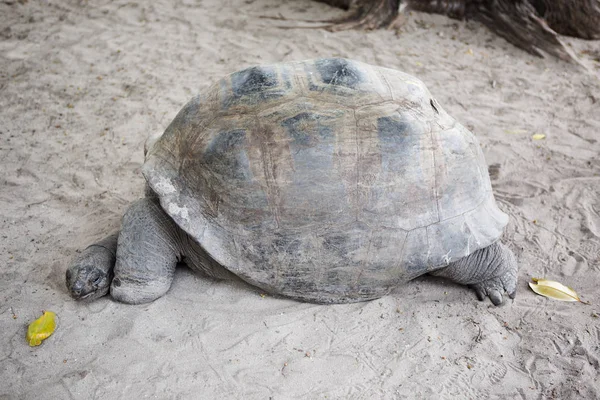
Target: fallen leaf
41, 328
538, 136
554, 290
515, 131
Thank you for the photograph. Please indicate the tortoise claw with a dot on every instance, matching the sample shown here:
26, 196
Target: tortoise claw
480, 292
495, 287
504, 279
495, 297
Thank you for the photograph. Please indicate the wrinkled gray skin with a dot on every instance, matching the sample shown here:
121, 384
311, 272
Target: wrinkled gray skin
150, 245
92, 271
302, 203
139, 268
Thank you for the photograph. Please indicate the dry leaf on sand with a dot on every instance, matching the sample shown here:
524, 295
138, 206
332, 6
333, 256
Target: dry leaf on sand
554, 290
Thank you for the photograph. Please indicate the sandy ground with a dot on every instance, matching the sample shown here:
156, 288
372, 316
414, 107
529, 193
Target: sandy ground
82, 84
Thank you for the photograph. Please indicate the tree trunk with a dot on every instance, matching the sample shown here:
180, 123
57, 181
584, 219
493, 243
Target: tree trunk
531, 25
343, 4
578, 18
517, 22
364, 14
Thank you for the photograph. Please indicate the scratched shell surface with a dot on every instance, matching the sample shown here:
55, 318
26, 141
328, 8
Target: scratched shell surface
328, 180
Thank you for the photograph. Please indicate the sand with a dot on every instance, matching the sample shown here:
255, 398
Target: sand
82, 84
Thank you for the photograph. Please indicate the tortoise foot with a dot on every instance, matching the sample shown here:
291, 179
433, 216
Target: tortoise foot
495, 287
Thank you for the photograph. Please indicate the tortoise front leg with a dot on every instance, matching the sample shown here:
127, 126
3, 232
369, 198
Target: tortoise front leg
148, 252
91, 272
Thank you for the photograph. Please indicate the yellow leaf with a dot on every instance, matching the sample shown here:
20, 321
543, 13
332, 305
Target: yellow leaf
554, 290
538, 136
41, 328
515, 131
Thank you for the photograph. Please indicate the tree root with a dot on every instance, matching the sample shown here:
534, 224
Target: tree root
364, 14
577, 18
532, 25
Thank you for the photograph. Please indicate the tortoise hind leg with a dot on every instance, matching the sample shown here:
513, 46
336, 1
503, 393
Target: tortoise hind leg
147, 254
489, 271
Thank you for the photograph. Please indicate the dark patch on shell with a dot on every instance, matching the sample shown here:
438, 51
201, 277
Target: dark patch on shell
302, 129
226, 155
253, 80
253, 86
394, 140
339, 72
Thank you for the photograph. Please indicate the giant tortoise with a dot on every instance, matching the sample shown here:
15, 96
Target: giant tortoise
326, 181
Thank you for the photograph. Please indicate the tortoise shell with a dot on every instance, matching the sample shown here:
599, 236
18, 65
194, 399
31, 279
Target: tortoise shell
327, 180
